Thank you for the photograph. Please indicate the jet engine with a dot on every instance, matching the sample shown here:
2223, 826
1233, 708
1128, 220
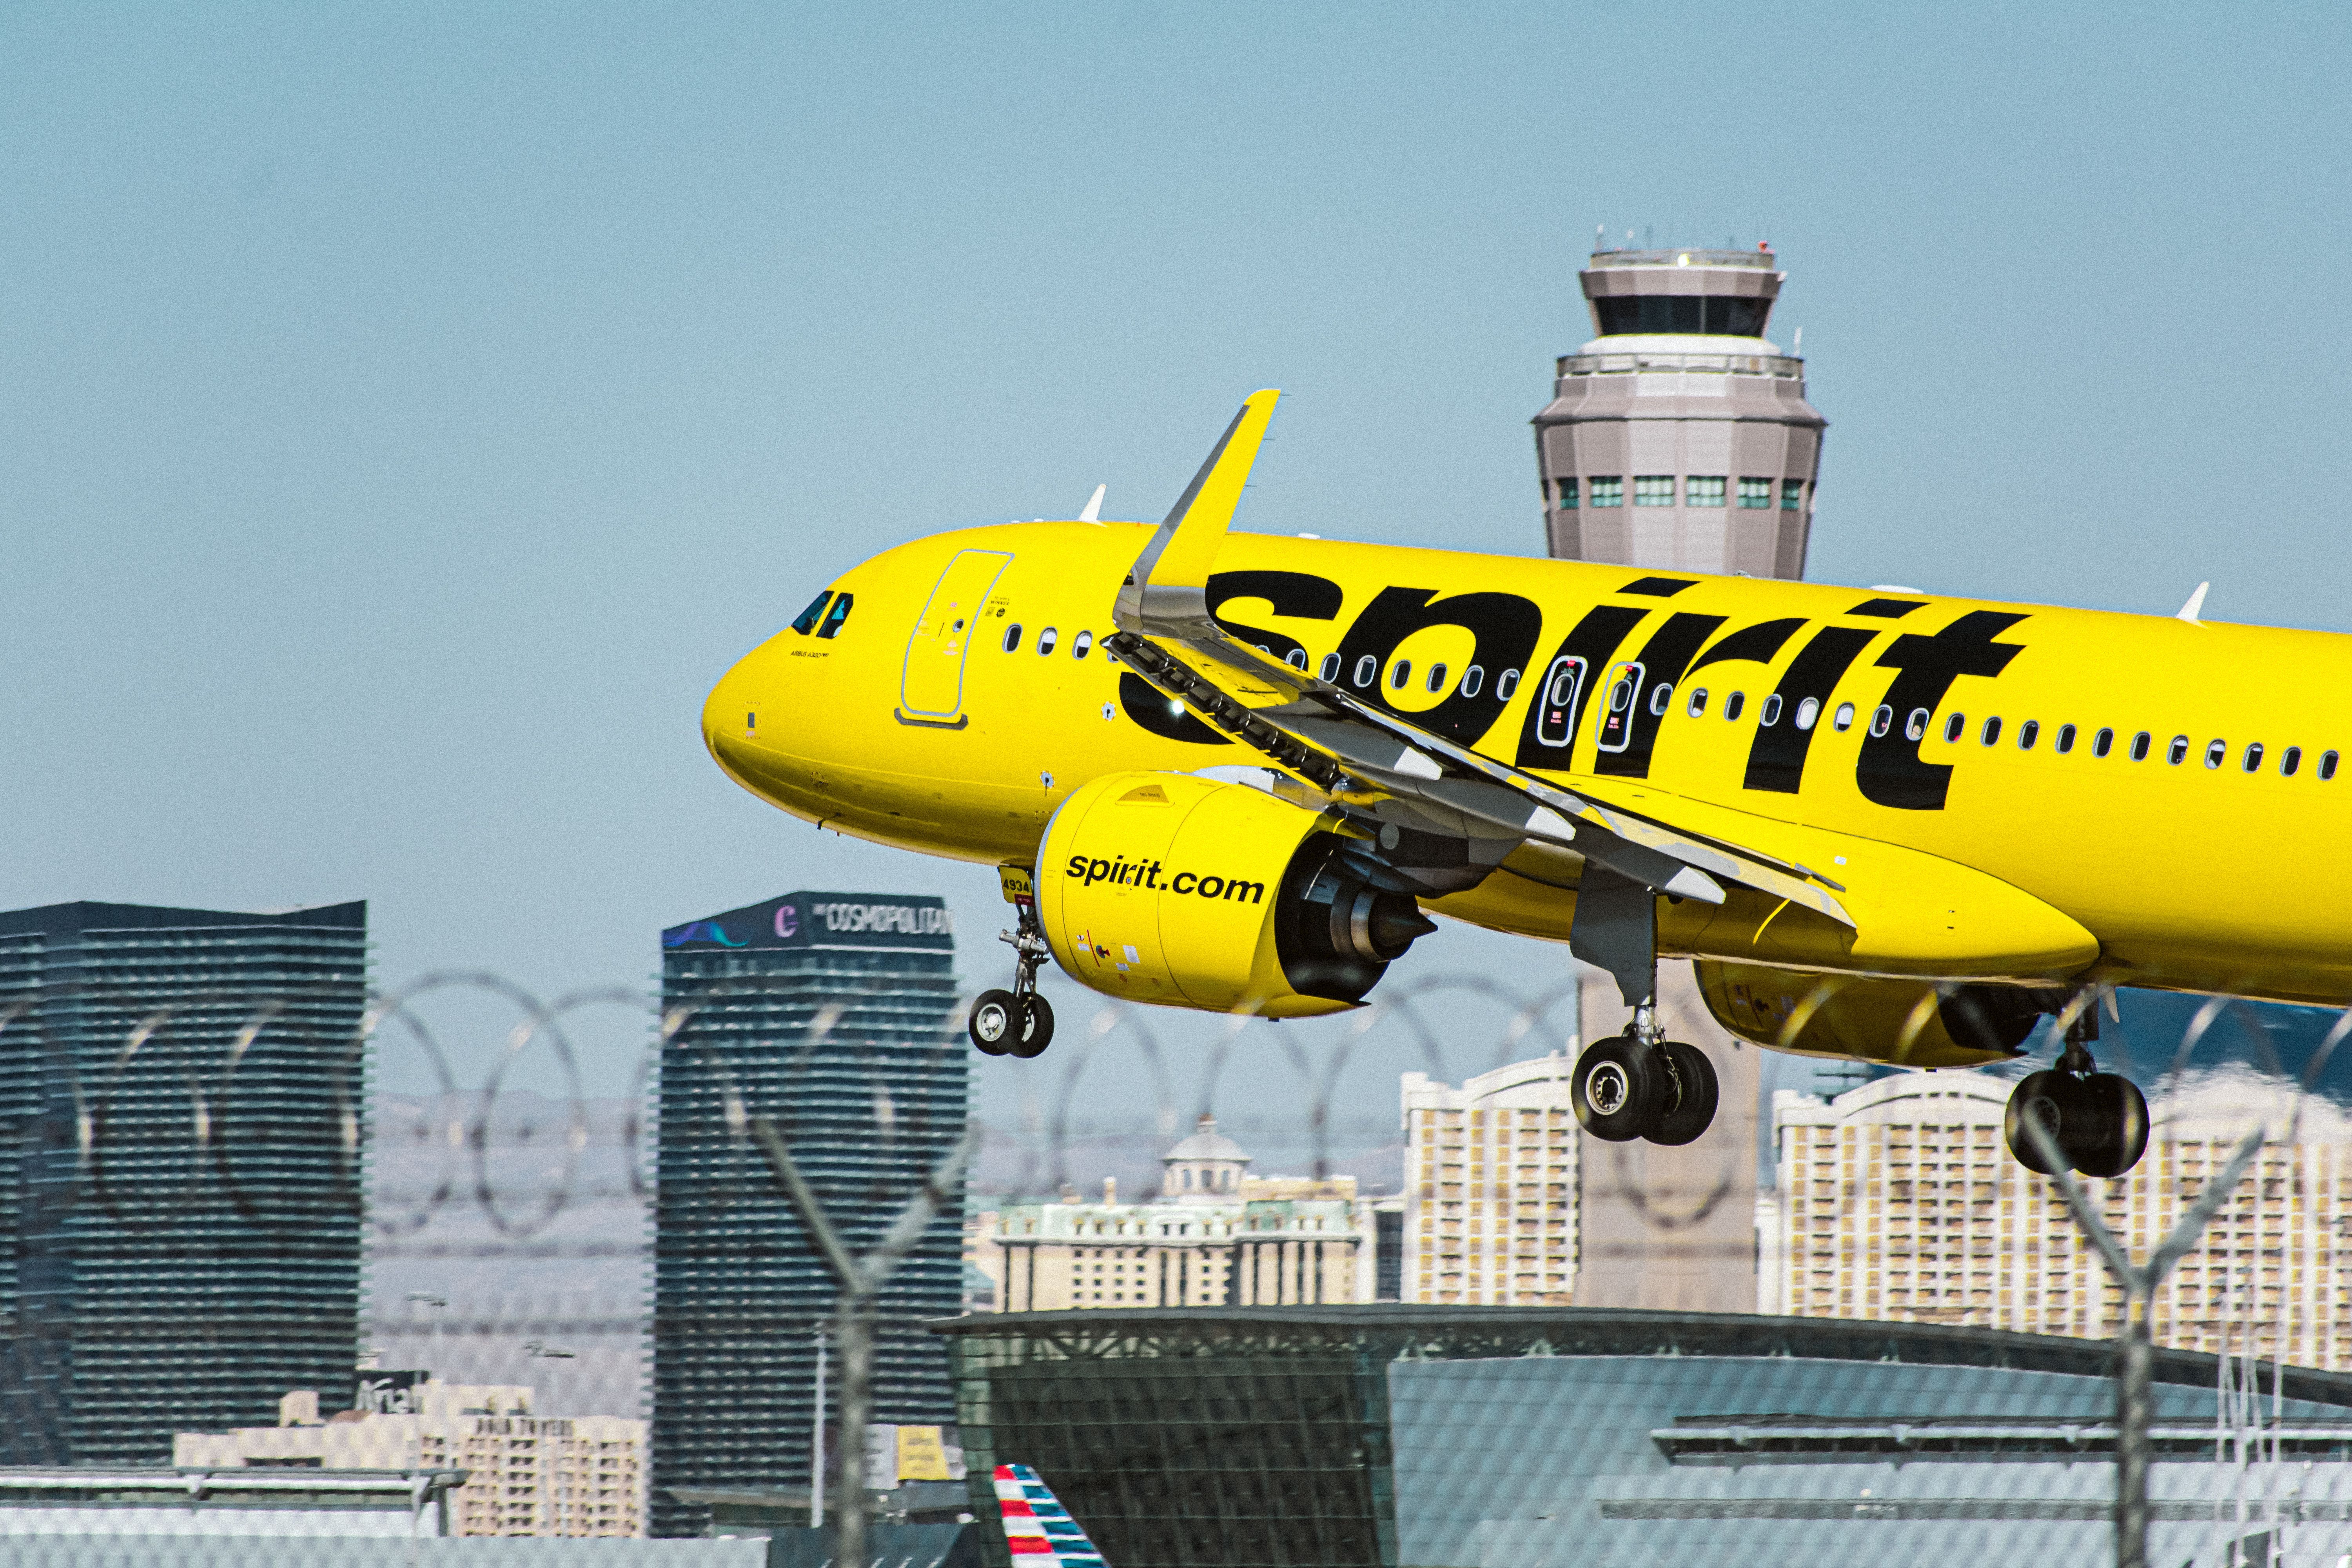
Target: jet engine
1904, 1022
1199, 892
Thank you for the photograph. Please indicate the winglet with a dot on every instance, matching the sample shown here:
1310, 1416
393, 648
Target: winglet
1167, 592
2195, 606
1093, 508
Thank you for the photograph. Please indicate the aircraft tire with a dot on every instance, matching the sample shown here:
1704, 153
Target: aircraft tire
2110, 1137
2066, 1111
1037, 1029
1617, 1089
1687, 1106
992, 1022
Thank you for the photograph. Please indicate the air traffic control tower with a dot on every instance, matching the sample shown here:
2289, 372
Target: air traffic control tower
1679, 438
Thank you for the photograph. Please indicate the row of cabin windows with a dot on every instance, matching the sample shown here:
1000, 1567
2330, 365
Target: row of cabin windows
1808, 709
1080, 645
2217, 750
1754, 494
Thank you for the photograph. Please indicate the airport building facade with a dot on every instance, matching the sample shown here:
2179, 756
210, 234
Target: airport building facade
1408, 1437
815, 1010
182, 1145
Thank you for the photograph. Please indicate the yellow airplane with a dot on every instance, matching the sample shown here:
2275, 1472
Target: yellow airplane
1235, 772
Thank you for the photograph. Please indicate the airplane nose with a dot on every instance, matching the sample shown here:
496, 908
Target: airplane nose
731, 723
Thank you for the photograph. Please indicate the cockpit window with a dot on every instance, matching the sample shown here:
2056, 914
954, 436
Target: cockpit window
835, 615
805, 622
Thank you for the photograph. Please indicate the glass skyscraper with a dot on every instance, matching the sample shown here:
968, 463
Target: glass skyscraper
830, 1013
182, 1124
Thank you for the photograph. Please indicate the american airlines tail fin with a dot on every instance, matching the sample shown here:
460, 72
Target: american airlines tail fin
1037, 1528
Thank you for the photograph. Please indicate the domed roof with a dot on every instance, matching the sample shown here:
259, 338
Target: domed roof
1207, 1143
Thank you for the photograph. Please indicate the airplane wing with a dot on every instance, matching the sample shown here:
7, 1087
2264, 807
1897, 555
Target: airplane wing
1352, 750
1037, 1528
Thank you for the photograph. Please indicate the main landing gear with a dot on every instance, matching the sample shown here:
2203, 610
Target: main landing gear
1019, 1022
1638, 1084
2099, 1119
1641, 1085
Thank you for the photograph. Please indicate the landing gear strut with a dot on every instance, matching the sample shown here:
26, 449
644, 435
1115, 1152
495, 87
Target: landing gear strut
2099, 1119
1638, 1084
1019, 1022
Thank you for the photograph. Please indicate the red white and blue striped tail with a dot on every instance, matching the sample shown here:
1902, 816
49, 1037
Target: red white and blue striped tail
1037, 1527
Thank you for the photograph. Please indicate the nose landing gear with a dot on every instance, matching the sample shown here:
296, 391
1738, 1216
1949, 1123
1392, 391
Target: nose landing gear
1019, 1022
2099, 1119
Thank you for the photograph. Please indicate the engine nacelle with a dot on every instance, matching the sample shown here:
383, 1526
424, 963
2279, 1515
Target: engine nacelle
1195, 892
1873, 1019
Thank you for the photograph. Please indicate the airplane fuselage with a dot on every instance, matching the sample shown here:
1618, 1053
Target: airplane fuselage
2173, 787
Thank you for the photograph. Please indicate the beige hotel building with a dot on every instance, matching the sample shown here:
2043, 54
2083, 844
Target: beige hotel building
1900, 1200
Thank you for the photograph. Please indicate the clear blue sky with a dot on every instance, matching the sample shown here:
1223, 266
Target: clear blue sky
411, 411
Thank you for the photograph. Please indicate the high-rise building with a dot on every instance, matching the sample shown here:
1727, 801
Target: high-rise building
525, 1473
1490, 1188
828, 1013
183, 1118
1678, 437
1216, 1237
1898, 1201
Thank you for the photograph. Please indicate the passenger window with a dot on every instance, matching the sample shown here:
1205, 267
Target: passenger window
1401, 674
2027, 733
1807, 712
2254, 756
1697, 706
1991, 732
1472, 680
1330, 669
2140, 747
1954, 725
805, 622
2176, 753
1045, 640
2326, 764
1082, 644
1437, 678
2215, 751
2103, 742
1660, 695
1844, 719
1733, 704
2065, 739
835, 615
1366, 669
1771, 714
1915, 727
1295, 659
1882, 720
1506, 685
1013, 637
2290, 760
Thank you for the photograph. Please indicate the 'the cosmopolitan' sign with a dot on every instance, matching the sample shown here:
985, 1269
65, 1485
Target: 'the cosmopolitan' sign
822, 920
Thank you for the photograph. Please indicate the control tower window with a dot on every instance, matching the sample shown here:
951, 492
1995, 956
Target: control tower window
1683, 314
1654, 489
1608, 490
1755, 495
1793, 495
1567, 495
1703, 489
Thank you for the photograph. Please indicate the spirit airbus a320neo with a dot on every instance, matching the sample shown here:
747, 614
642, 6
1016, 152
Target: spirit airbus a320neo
1233, 772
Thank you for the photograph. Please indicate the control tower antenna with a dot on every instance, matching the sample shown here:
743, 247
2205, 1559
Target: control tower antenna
1679, 438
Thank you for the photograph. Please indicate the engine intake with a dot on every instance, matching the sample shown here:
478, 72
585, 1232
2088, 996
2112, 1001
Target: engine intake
1197, 892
